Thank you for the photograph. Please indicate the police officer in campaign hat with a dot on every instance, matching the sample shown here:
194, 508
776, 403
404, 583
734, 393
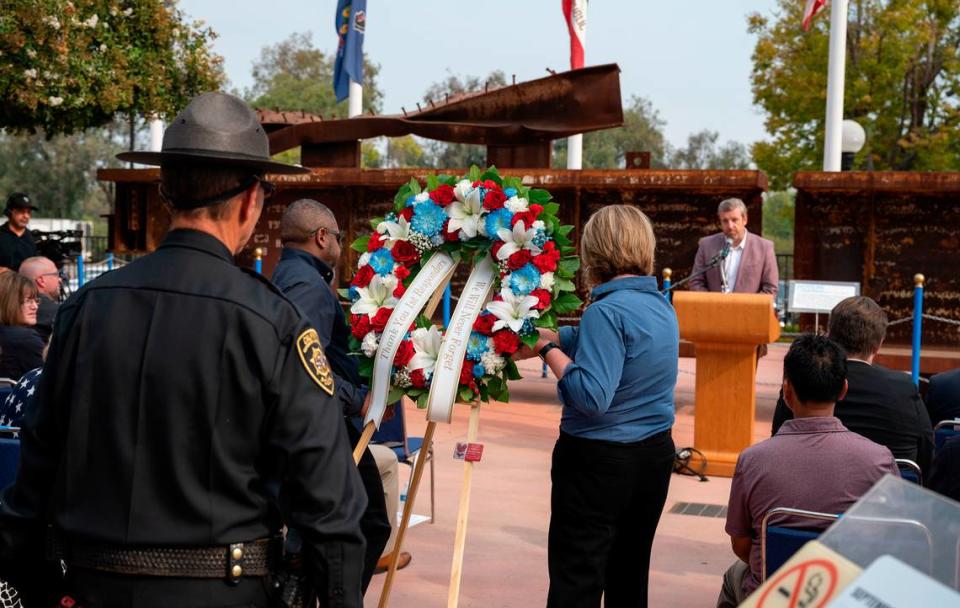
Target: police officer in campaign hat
186, 411
16, 240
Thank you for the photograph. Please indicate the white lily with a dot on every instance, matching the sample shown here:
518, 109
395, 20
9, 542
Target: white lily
513, 310
395, 231
377, 294
426, 348
515, 240
465, 215
462, 189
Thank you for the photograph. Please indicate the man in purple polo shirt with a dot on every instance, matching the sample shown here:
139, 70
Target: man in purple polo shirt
812, 463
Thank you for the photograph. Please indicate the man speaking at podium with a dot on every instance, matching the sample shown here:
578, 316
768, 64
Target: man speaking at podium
735, 261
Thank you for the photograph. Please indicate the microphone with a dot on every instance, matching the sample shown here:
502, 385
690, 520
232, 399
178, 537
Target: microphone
727, 245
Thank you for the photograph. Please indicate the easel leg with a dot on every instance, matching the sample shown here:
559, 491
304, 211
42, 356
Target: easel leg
407, 512
364, 442
456, 570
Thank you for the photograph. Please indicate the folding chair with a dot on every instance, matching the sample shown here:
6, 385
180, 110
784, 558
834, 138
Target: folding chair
393, 434
9, 455
909, 470
779, 543
945, 429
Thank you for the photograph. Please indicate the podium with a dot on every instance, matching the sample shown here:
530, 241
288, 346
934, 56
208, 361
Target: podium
726, 329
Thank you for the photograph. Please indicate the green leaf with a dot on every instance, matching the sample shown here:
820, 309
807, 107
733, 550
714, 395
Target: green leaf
422, 401
565, 229
395, 394
400, 199
414, 186
432, 182
360, 243
344, 292
564, 285
423, 322
503, 396
365, 367
450, 180
413, 393
551, 209
511, 371
547, 320
474, 173
484, 392
567, 302
540, 197
530, 339
466, 394
513, 182
493, 175
375, 222
568, 267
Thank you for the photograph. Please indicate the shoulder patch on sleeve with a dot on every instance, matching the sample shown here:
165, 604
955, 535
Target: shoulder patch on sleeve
315, 360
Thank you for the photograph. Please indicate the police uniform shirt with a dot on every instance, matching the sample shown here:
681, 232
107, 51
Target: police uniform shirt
180, 396
15, 249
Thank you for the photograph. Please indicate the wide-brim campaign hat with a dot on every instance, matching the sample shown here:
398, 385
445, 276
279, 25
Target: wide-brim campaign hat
217, 129
19, 200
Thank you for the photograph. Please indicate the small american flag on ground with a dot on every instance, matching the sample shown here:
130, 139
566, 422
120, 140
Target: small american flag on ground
810, 11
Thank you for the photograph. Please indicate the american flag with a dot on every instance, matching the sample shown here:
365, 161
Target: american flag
810, 11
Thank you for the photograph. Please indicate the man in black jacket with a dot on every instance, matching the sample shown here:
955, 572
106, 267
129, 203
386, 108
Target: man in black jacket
16, 240
881, 404
943, 396
186, 410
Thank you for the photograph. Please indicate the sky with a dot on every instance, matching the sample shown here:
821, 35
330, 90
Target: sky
690, 58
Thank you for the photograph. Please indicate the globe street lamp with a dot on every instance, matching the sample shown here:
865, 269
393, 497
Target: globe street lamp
851, 141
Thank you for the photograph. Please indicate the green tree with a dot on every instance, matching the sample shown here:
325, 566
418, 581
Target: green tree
778, 214
642, 131
902, 85
454, 155
702, 152
69, 65
295, 75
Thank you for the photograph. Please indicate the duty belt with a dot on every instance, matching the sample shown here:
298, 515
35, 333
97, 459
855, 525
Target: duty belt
230, 562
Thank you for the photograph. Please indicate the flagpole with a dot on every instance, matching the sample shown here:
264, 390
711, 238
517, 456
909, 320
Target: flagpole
575, 142
836, 75
355, 101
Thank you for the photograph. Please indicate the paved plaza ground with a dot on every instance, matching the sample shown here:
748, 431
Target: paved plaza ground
505, 563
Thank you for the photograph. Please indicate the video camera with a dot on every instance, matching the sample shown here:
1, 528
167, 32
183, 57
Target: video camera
59, 245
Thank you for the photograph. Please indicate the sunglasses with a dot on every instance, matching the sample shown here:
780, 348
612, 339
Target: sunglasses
268, 188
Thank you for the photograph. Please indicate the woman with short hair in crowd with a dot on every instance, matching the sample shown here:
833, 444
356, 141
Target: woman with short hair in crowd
612, 463
21, 349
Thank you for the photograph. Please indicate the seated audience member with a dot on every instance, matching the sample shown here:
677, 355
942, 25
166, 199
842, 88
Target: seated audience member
21, 349
44, 273
945, 472
882, 405
16, 404
943, 396
812, 463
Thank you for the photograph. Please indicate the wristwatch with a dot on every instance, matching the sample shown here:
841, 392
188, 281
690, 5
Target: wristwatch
546, 349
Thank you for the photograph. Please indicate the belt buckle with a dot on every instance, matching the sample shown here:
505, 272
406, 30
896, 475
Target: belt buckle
235, 557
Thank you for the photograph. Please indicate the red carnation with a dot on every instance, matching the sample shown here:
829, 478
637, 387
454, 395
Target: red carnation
527, 217
495, 248
443, 195
359, 326
466, 372
494, 199
484, 324
376, 242
401, 272
417, 379
536, 209
545, 263
519, 259
450, 236
363, 276
379, 320
544, 296
406, 214
404, 353
506, 342
399, 290
405, 253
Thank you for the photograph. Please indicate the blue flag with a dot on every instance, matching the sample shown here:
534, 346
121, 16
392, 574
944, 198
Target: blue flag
351, 23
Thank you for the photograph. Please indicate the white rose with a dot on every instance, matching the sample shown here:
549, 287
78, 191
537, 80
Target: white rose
370, 344
546, 281
516, 204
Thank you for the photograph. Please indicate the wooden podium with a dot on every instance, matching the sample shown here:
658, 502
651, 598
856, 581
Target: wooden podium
726, 329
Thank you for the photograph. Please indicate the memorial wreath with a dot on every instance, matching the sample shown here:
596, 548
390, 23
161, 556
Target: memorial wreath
468, 218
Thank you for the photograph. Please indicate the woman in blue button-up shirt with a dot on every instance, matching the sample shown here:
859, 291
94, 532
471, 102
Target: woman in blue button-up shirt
613, 460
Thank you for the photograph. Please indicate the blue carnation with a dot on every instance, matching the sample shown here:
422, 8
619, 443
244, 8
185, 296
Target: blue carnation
354, 293
539, 238
410, 200
428, 218
525, 279
500, 218
510, 192
478, 370
381, 261
476, 346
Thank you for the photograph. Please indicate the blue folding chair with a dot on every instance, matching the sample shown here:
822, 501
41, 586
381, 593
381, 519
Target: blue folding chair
9, 455
909, 470
393, 434
779, 543
945, 429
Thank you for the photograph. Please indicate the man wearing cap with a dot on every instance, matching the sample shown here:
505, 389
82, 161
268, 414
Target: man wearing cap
16, 240
186, 411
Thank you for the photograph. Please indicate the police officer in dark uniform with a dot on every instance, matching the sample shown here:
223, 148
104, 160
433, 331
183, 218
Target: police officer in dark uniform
186, 410
16, 240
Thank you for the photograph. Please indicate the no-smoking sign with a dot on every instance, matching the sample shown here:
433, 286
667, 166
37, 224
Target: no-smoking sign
806, 584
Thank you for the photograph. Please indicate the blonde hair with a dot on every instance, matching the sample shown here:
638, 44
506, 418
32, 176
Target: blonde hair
14, 289
618, 239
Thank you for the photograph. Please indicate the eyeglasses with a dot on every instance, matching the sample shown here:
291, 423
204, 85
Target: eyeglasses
333, 233
268, 188
49, 274
28, 301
